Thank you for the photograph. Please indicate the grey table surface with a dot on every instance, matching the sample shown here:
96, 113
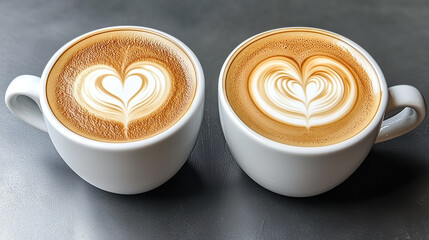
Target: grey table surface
211, 197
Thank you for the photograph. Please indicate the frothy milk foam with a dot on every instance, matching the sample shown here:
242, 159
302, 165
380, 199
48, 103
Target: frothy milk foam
121, 85
302, 87
318, 93
101, 91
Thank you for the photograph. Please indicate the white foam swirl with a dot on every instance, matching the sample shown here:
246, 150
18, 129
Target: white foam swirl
319, 92
141, 89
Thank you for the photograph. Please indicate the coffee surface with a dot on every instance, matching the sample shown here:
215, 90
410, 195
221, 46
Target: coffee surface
121, 85
302, 87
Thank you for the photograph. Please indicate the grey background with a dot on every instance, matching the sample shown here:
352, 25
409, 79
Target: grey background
211, 197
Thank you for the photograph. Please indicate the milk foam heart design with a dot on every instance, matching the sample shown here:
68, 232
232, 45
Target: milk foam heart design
319, 92
124, 91
102, 91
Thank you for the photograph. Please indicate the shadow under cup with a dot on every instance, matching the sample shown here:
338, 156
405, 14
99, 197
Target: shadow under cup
300, 144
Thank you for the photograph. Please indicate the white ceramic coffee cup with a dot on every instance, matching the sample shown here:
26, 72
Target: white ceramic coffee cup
126, 168
307, 171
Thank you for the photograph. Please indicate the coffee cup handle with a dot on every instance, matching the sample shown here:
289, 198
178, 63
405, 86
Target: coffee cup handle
409, 98
22, 98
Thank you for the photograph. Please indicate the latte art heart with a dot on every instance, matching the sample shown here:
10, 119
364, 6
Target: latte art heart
319, 92
141, 89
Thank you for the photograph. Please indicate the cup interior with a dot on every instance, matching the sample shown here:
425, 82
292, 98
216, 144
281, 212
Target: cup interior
377, 77
58, 126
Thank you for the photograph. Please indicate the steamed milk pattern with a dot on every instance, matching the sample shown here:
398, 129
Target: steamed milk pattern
102, 91
319, 92
302, 87
121, 85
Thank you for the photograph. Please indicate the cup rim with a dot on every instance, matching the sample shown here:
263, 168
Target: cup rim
304, 150
115, 146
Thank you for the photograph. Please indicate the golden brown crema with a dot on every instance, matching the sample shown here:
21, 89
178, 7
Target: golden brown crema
121, 85
302, 87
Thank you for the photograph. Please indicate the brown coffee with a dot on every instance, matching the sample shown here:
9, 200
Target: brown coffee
121, 85
302, 87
